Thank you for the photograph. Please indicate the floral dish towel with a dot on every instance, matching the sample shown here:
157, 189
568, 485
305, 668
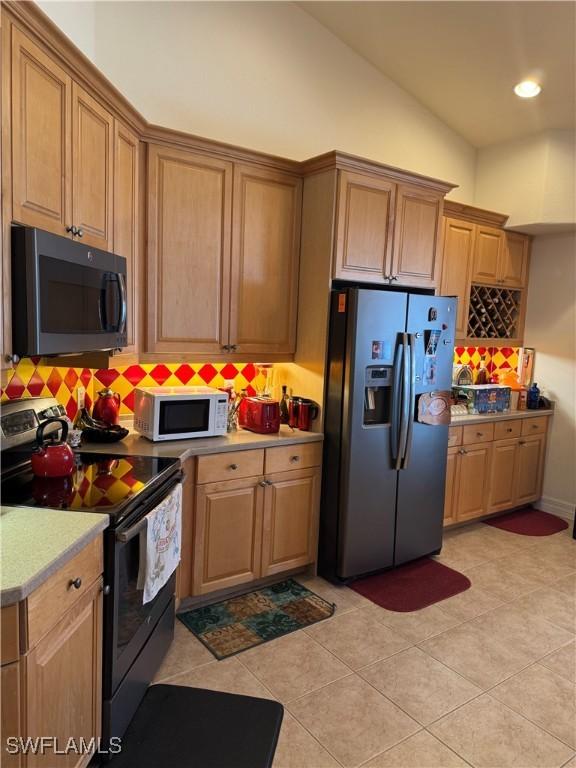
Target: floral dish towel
160, 544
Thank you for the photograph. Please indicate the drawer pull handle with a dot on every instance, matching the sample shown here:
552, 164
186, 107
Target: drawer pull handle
76, 583
233, 466
294, 459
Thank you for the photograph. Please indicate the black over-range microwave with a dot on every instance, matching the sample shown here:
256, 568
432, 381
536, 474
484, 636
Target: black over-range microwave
66, 296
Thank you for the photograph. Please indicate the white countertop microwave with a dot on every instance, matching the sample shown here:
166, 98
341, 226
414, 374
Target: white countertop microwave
180, 413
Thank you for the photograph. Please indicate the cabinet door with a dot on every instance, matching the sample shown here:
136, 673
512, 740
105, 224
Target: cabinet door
529, 469
514, 263
472, 473
417, 258
127, 219
92, 164
449, 501
291, 508
41, 131
189, 216
364, 227
488, 247
265, 253
502, 475
10, 703
458, 242
64, 681
228, 534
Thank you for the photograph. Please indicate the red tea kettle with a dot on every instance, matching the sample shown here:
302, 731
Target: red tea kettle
107, 407
52, 457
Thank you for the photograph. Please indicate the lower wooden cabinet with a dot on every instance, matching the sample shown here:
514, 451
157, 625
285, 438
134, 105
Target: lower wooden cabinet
529, 469
254, 526
54, 688
63, 686
291, 503
495, 475
228, 534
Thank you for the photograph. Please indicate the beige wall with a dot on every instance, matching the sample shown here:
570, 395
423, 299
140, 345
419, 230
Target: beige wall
551, 330
266, 76
77, 20
531, 179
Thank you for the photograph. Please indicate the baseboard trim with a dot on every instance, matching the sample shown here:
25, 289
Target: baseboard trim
556, 507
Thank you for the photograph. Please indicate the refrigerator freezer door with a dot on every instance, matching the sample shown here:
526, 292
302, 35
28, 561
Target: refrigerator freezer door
376, 321
421, 483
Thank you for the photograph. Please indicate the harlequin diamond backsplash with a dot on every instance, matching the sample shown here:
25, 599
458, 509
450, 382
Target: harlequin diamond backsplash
497, 359
33, 378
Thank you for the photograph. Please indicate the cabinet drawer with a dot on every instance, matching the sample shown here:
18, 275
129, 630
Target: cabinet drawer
298, 456
505, 429
535, 426
454, 436
478, 433
47, 604
229, 466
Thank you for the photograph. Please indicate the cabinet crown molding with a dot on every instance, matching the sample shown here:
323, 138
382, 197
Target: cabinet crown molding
476, 215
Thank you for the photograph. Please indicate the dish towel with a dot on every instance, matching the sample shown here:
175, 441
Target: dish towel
160, 544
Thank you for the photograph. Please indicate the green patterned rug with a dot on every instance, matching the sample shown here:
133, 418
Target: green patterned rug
234, 625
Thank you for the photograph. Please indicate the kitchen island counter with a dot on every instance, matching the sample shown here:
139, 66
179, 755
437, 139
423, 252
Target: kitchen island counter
34, 543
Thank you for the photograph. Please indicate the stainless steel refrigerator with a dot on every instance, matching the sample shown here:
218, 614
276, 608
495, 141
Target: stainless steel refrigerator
384, 471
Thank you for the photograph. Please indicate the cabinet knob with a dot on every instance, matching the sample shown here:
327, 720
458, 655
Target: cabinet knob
233, 466
263, 483
479, 434
225, 347
393, 278
80, 232
72, 230
294, 459
462, 451
106, 589
232, 348
509, 429
76, 583
521, 442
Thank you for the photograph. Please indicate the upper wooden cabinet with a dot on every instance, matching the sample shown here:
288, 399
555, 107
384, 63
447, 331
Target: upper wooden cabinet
386, 232
265, 254
221, 279
416, 258
189, 219
458, 243
514, 262
500, 258
126, 217
488, 249
62, 149
92, 162
41, 138
364, 227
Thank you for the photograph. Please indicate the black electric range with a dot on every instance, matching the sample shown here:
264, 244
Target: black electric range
136, 635
101, 482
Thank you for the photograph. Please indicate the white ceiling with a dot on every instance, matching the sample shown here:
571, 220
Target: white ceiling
462, 59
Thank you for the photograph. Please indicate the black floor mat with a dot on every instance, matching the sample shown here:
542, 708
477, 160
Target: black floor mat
183, 727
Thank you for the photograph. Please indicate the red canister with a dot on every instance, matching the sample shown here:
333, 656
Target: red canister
107, 407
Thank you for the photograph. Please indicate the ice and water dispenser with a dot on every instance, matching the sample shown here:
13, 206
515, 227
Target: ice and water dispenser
377, 394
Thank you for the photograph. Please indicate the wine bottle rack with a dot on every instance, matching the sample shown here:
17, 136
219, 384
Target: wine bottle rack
494, 313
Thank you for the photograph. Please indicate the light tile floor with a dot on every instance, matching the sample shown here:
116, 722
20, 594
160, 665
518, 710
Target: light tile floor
486, 678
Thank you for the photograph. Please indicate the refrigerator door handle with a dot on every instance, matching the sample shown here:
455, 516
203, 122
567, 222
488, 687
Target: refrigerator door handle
410, 401
397, 404
405, 407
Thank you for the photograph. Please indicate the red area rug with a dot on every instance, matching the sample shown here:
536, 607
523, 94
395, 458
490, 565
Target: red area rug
413, 586
529, 522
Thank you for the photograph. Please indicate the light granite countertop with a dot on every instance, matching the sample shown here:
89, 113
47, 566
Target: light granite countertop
241, 440
470, 418
34, 543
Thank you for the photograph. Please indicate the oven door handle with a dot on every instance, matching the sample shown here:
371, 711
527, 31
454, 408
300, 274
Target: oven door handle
134, 530
140, 524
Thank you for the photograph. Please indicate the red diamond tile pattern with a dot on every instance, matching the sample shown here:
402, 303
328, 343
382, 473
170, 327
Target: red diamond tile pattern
496, 358
71, 378
54, 381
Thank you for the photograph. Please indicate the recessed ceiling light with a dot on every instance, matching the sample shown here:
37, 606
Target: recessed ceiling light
527, 89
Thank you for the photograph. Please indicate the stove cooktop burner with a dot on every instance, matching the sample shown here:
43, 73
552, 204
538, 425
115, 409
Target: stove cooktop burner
99, 483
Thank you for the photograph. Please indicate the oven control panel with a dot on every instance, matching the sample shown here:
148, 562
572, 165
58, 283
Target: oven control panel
19, 419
